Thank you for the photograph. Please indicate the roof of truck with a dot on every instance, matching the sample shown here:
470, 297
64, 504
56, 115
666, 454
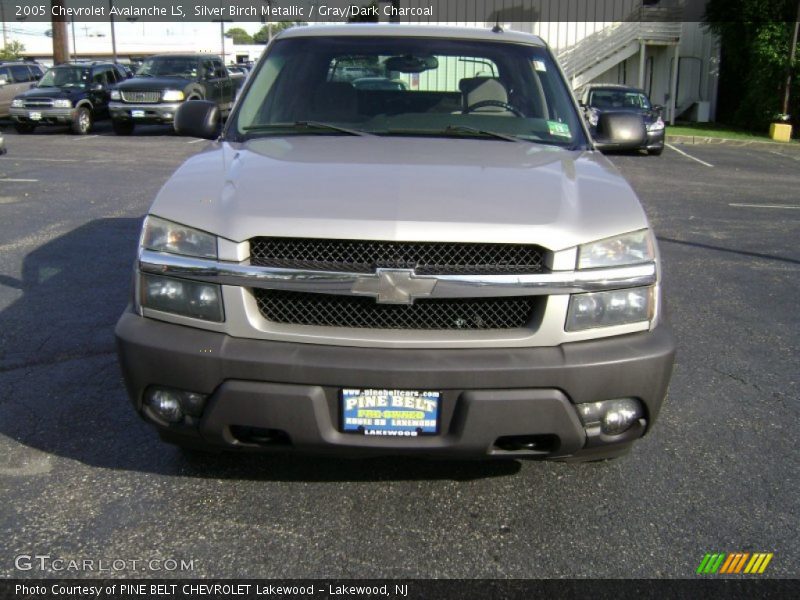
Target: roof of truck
402, 30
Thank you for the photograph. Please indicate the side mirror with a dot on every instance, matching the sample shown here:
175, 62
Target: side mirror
209, 73
97, 87
3, 81
620, 131
198, 118
658, 108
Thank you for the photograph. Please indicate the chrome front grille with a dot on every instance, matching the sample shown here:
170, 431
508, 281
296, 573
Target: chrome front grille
329, 310
39, 103
426, 258
140, 97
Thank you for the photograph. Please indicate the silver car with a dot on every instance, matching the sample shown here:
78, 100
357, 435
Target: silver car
15, 78
448, 268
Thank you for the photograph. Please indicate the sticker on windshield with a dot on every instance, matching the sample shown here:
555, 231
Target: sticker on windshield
559, 129
540, 66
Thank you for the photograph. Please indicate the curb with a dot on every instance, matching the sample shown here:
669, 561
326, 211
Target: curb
762, 144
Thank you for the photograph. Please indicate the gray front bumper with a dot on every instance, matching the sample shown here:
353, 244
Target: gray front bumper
48, 115
487, 393
153, 113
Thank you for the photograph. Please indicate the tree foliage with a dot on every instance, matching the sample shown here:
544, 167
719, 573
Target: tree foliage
262, 35
12, 50
239, 35
755, 36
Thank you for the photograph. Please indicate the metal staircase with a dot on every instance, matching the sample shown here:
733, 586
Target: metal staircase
601, 51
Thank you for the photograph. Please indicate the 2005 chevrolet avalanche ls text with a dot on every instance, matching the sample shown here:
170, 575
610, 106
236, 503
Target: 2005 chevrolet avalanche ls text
443, 265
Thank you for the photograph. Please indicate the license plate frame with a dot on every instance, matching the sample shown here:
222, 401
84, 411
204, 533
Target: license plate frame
137, 114
390, 413
35, 115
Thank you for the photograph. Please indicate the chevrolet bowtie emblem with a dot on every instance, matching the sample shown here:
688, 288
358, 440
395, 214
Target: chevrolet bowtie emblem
394, 286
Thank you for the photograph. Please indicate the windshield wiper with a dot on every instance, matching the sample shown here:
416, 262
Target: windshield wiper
305, 126
454, 130
495, 134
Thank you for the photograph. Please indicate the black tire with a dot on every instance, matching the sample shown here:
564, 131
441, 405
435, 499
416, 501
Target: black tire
656, 152
122, 127
24, 128
81, 121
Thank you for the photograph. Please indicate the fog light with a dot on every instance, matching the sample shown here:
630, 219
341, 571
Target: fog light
173, 405
612, 416
166, 405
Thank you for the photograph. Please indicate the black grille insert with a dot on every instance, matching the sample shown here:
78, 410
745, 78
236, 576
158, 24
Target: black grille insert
364, 256
300, 308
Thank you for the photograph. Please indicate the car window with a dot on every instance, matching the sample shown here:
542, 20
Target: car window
20, 73
36, 72
4, 74
65, 76
121, 74
219, 69
111, 75
419, 86
168, 66
99, 76
618, 99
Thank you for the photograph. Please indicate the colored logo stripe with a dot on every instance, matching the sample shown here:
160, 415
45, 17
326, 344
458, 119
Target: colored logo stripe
734, 562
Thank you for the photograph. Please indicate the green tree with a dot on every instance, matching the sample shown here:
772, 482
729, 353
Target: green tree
12, 50
262, 35
754, 59
239, 35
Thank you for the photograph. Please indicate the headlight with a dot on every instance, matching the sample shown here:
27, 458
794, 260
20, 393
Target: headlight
115, 95
605, 309
657, 125
17, 103
62, 103
172, 96
182, 297
165, 236
628, 249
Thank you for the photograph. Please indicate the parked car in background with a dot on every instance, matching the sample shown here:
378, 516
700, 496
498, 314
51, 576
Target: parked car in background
164, 82
601, 99
16, 77
73, 94
2, 144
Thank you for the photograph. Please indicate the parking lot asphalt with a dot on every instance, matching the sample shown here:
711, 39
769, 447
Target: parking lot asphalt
82, 477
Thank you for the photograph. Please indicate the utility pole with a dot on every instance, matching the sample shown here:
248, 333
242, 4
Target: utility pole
792, 54
60, 35
3, 19
113, 36
74, 39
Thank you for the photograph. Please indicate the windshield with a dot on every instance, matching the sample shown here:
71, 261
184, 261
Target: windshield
169, 66
621, 99
408, 86
64, 77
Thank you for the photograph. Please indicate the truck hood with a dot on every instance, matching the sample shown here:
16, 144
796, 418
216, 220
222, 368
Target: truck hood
52, 92
401, 188
139, 84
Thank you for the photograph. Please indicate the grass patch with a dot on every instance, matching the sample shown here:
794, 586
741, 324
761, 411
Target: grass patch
715, 130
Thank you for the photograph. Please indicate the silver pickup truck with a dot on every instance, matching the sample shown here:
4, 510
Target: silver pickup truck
439, 265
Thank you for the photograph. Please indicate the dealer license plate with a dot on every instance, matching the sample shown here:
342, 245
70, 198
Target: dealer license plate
390, 413
137, 114
35, 116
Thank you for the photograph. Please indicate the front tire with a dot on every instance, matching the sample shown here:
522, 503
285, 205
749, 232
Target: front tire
122, 127
81, 121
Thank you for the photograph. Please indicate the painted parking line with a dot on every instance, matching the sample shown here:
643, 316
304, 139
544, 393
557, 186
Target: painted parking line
86, 137
4, 180
784, 155
197, 141
786, 206
679, 151
37, 158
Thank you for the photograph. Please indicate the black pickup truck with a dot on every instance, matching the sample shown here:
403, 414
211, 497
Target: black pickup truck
165, 81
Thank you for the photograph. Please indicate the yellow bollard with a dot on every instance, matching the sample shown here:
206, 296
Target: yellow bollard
780, 132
